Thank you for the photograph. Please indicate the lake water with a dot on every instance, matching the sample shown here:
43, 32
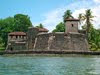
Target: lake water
49, 65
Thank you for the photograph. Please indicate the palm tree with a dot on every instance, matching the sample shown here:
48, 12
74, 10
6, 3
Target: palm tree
67, 14
81, 18
87, 17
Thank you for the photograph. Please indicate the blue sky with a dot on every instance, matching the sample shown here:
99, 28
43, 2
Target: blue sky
49, 12
34, 8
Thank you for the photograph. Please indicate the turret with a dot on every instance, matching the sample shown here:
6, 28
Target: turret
71, 25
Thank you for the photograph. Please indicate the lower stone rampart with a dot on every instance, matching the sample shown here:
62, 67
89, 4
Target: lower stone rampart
41, 41
61, 41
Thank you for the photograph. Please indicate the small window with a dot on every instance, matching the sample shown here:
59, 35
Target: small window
19, 36
11, 37
23, 37
16, 37
72, 25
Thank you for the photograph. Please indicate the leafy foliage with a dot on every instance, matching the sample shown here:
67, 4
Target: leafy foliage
19, 22
60, 27
40, 26
6, 26
22, 22
88, 18
94, 39
93, 35
67, 14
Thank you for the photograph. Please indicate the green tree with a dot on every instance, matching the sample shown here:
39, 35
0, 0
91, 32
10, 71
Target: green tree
22, 22
88, 17
6, 26
67, 14
94, 39
93, 35
60, 27
1, 43
40, 26
19, 22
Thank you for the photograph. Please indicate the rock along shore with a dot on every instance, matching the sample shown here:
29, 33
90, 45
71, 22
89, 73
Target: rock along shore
52, 52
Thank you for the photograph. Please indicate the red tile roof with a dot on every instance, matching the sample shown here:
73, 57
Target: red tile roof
40, 29
17, 33
70, 19
43, 30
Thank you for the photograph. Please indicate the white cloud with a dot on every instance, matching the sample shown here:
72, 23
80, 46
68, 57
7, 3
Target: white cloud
77, 12
97, 1
96, 13
52, 18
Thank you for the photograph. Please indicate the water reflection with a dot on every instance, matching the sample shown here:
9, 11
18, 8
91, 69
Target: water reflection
96, 66
34, 65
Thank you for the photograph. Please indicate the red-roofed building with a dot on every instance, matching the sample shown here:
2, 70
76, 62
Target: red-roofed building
42, 30
17, 34
16, 41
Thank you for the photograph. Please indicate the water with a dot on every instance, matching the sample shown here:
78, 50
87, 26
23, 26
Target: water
47, 65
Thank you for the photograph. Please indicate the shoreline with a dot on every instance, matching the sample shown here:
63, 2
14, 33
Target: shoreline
42, 52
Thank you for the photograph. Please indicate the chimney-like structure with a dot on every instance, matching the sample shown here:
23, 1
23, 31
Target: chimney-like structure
71, 25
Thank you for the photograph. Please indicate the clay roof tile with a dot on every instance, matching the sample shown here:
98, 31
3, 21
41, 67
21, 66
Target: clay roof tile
43, 30
70, 19
17, 33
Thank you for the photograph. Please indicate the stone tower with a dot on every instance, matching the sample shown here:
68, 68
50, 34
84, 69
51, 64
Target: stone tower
32, 34
71, 25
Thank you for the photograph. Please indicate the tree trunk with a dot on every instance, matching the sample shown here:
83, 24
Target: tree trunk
88, 26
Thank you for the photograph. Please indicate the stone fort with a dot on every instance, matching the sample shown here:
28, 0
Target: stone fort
40, 39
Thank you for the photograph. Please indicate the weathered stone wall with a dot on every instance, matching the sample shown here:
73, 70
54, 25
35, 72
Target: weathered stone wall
61, 41
57, 41
71, 26
17, 46
16, 42
31, 35
78, 42
41, 41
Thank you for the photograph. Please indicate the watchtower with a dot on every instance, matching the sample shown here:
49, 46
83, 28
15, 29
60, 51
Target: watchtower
71, 25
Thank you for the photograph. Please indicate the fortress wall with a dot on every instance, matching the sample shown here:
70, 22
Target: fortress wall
19, 47
61, 41
31, 35
57, 42
78, 42
42, 42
